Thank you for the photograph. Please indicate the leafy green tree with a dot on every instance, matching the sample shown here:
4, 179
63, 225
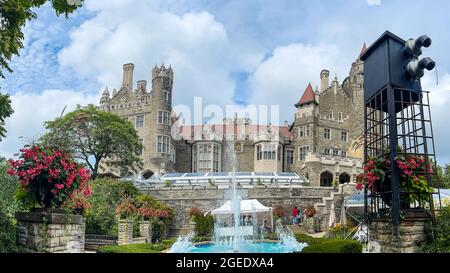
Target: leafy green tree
92, 135
5, 111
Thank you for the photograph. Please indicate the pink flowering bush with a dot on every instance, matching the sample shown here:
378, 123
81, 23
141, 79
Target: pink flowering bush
413, 176
49, 176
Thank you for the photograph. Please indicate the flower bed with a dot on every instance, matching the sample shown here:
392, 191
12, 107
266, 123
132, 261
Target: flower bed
137, 248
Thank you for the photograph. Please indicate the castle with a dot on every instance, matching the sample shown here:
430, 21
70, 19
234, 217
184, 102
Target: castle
322, 144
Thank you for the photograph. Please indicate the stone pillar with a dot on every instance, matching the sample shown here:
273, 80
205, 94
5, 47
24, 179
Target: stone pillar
145, 228
40, 231
408, 237
125, 232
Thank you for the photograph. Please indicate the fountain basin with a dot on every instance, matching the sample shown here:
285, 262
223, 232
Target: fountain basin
251, 247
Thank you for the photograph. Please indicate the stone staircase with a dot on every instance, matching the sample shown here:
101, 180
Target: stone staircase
296, 228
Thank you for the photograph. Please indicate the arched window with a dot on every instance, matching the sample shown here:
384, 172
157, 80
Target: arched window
326, 179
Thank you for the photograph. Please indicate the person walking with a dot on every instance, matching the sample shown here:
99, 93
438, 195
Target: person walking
294, 215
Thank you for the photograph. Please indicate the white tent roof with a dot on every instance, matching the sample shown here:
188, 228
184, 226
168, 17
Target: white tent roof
247, 206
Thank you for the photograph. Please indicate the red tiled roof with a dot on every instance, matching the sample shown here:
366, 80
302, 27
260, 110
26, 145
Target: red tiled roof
308, 96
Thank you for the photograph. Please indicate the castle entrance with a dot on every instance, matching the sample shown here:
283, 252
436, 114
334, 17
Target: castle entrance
326, 179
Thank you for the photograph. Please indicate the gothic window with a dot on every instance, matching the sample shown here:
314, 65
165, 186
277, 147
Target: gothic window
326, 151
301, 131
330, 115
344, 136
308, 130
166, 96
206, 157
163, 117
289, 157
303, 151
267, 151
163, 145
139, 121
327, 133
339, 116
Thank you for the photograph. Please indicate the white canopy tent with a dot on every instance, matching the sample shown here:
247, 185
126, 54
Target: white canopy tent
247, 207
261, 215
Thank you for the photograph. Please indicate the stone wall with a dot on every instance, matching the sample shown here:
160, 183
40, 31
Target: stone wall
50, 232
207, 198
406, 238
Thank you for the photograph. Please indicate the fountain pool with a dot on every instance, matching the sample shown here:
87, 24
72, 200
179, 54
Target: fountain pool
252, 247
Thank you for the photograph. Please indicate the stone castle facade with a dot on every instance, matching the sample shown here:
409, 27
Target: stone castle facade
322, 144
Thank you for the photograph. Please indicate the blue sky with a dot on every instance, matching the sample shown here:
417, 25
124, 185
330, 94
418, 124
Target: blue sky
244, 52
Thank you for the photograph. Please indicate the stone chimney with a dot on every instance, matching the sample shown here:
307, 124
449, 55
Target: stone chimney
142, 86
324, 80
128, 70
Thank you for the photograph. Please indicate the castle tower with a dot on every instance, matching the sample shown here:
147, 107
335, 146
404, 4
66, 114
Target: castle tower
324, 80
161, 111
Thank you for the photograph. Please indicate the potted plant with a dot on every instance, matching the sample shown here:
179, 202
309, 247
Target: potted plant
50, 178
414, 172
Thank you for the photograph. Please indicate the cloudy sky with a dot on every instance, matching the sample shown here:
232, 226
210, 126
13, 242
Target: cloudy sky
227, 52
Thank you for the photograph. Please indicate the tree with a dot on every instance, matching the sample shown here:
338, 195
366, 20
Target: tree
92, 135
5, 111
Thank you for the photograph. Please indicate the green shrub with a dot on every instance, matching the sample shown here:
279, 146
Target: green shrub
106, 195
440, 228
7, 234
9, 186
334, 245
137, 248
304, 238
204, 225
327, 245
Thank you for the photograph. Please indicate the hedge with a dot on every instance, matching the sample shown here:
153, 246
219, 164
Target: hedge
137, 248
326, 245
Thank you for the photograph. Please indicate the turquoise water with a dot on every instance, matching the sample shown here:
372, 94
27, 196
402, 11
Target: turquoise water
261, 247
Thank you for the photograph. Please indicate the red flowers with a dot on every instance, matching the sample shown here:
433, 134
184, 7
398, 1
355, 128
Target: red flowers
49, 175
414, 172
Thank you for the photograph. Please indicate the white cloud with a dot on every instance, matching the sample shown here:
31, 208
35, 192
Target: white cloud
32, 110
195, 44
282, 78
439, 101
373, 2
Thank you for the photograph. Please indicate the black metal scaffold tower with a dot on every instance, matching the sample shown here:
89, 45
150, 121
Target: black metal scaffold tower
397, 122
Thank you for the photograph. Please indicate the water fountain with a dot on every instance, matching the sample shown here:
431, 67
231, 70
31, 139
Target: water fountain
237, 242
